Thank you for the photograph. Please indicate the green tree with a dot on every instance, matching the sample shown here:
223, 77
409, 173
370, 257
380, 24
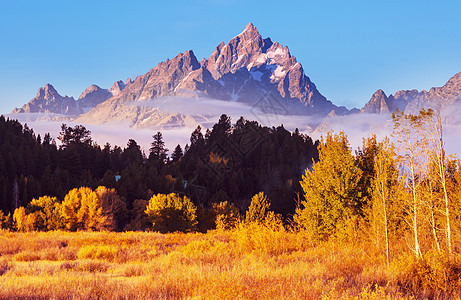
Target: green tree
169, 213
77, 135
177, 154
158, 151
332, 202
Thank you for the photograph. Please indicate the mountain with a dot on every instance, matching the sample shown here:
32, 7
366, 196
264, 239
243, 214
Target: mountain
48, 100
411, 101
94, 95
248, 70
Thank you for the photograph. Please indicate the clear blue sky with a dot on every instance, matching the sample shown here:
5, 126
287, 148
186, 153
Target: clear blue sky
349, 49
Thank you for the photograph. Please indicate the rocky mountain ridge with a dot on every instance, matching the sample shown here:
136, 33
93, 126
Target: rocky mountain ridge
411, 101
249, 69
246, 69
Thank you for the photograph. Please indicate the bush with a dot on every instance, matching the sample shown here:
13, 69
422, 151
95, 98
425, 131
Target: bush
5, 221
98, 252
433, 276
169, 213
226, 215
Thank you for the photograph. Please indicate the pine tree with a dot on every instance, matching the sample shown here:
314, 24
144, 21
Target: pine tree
158, 151
177, 154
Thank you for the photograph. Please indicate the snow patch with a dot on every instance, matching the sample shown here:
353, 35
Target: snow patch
262, 59
278, 72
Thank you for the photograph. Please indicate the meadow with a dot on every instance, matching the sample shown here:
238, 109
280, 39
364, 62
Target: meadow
249, 262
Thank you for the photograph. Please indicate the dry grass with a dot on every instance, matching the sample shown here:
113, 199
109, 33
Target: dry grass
248, 263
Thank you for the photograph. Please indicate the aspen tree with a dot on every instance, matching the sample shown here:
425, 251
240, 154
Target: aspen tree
411, 142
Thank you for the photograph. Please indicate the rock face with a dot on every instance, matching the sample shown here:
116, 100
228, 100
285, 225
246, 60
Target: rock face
377, 104
412, 101
117, 87
48, 100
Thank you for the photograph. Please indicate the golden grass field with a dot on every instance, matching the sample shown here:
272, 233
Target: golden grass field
247, 263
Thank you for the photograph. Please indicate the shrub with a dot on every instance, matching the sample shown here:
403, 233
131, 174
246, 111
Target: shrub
226, 215
98, 252
4, 267
5, 221
432, 276
169, 213
26, 256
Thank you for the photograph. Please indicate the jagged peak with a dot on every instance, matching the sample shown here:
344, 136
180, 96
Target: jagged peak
91, 89
49, 87
187, 57
379, 93
47, 90
455, 80
250, 27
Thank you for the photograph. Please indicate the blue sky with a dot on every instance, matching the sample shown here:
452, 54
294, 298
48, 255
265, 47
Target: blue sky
349, 49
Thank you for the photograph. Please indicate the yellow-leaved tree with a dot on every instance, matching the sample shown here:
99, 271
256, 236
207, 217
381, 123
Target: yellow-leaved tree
82, 210
48, 211
332, 201
113, 208
259, 208
258, 213
19, 219
169, 213
387, 209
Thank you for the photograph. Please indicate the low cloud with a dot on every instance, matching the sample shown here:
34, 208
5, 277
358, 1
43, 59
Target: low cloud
356, 127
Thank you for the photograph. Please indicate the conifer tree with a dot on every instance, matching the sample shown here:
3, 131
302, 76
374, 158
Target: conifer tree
158, 151
177, 154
